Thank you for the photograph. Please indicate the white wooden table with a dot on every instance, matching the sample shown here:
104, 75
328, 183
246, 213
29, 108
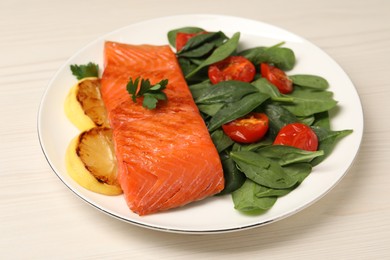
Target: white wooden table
41, 219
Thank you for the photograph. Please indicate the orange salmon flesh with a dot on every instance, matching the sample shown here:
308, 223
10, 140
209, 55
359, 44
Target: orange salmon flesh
166, 158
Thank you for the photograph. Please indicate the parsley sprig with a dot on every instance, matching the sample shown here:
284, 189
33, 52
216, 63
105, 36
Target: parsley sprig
151, 93
83, 71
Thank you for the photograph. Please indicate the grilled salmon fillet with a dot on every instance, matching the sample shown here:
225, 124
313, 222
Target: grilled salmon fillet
166, 158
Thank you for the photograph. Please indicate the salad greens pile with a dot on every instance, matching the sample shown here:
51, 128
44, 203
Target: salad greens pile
257, 174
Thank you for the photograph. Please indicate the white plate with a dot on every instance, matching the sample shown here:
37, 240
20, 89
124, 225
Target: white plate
215, 214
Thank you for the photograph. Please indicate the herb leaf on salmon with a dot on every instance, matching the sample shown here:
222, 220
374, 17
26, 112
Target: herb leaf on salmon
151, 93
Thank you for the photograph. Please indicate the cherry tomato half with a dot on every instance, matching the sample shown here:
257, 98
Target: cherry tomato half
248, 129
277, 77
232, 68
298, 135
182, 38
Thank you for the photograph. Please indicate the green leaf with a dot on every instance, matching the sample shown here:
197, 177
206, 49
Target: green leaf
308, 102
310, 81
221, 140
278, 117
132, 87
299, 171
149, 102
210, 109
233, 177
234, 110
283, 58
245, 198
286, 155
172, 34
151, 93
219, 54
85, 71
264, 86
262, 170
225, 92
202, 44
327, 141
199, 89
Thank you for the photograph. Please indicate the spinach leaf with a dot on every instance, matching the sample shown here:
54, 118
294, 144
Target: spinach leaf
308, 102
268, 192
233, 177
286, 155
327, 141
186, 65
201, 51
264, 86
322, 120
310, 81
225, 92
308, 120
218, 54
262, 170
300, 171
172, 34
254, 146
245, 198
283, 58
210, 109
234, 110
198, 89
221, 140
202, 44
278, 117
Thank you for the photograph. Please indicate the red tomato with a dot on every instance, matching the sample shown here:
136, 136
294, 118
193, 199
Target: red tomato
248, 129
277, 77
182, 38
232, 68
298, 135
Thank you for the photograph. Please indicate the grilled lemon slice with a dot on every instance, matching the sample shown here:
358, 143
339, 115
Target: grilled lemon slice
84, 106
90, 161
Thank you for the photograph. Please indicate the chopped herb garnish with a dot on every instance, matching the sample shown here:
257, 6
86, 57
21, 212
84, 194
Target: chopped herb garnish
151, 93
85, 71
